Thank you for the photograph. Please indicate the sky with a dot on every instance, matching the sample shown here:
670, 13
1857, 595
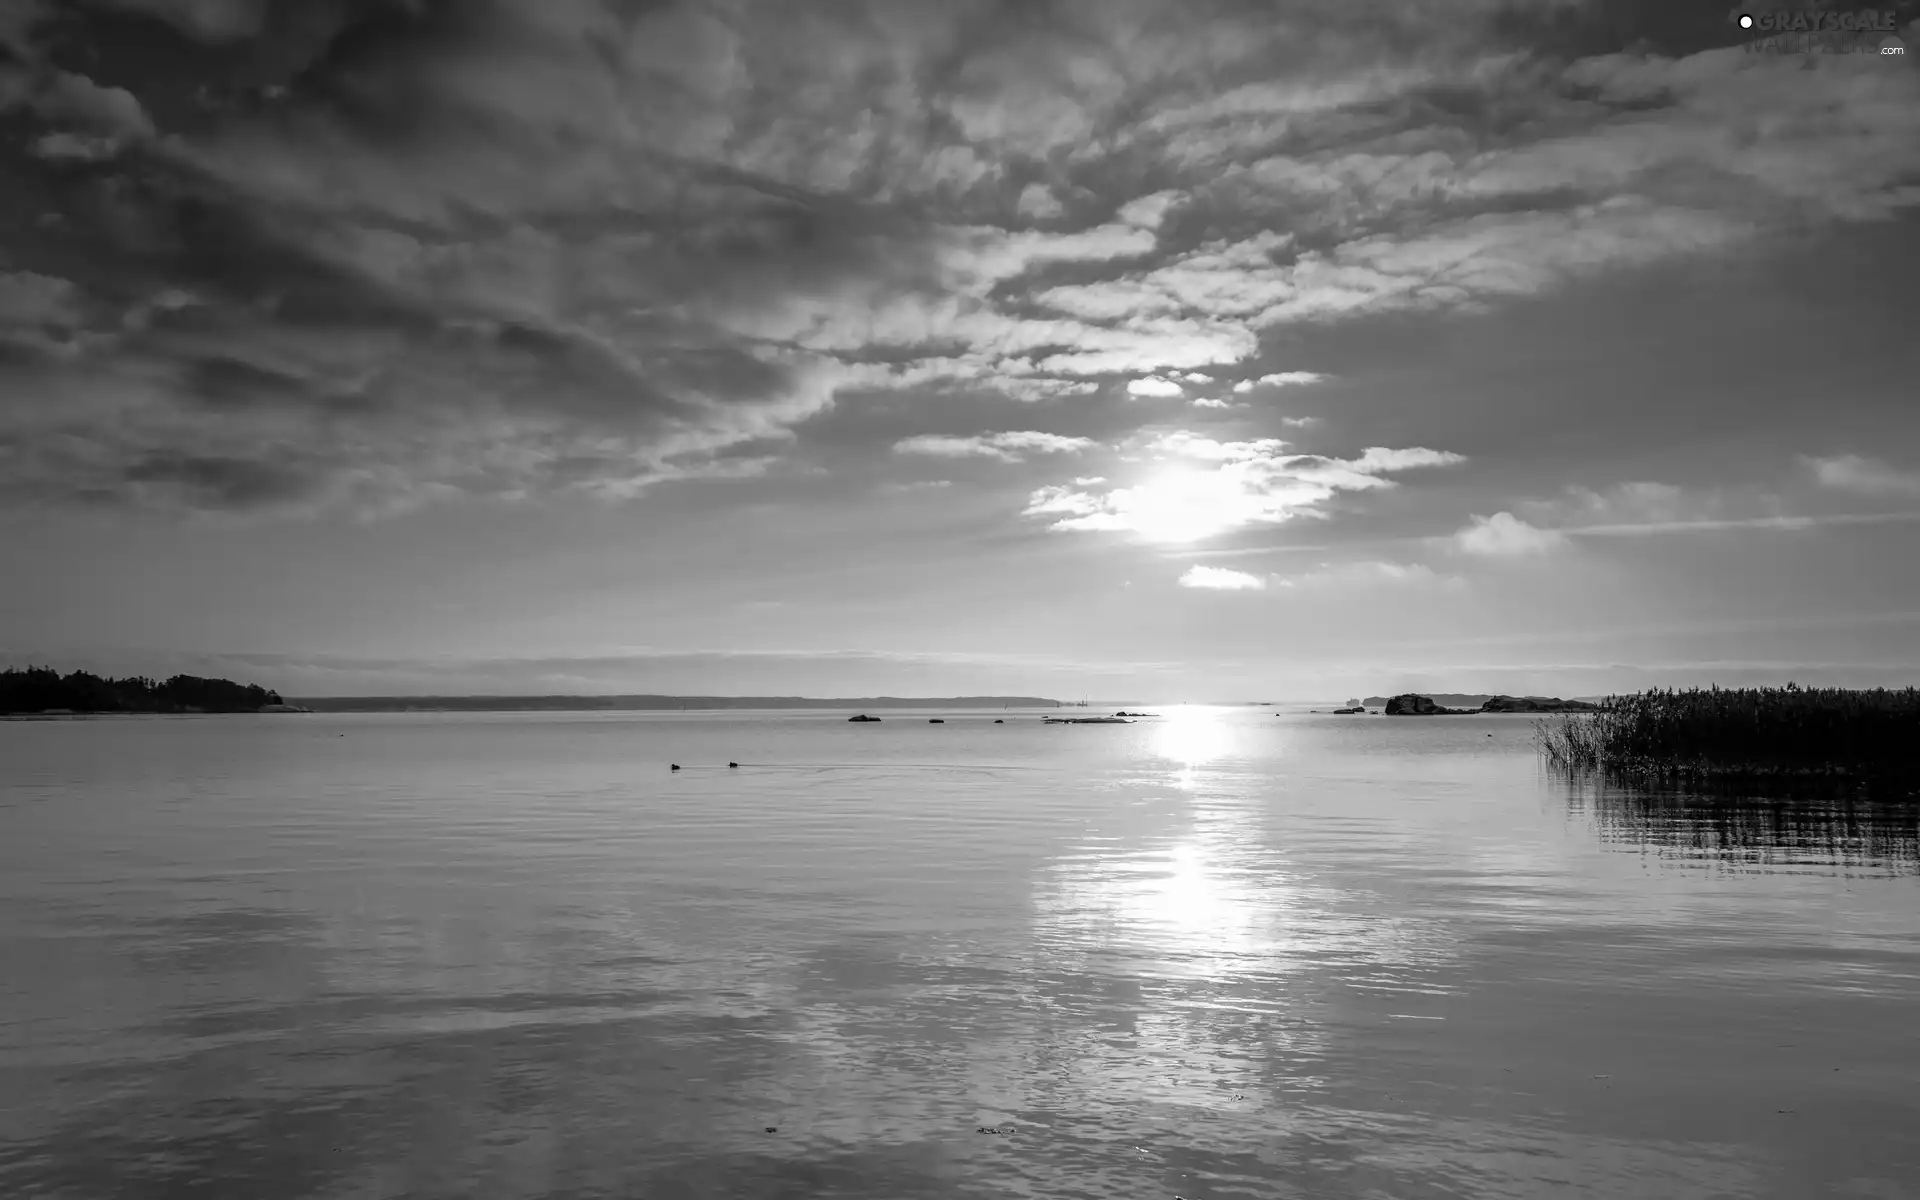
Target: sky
1164, 349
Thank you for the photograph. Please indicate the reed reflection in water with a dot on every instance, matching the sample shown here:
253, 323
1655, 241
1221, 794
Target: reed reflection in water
1759, 828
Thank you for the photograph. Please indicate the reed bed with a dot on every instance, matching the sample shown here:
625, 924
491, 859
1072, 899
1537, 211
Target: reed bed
1744, 733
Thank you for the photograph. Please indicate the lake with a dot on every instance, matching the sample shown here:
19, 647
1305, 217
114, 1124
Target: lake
1220, 953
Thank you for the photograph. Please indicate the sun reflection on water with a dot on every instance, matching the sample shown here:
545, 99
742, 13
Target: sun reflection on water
1192, 737
1196, 907
1187, 927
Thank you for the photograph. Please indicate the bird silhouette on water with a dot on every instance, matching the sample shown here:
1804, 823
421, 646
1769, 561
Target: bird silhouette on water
675, 766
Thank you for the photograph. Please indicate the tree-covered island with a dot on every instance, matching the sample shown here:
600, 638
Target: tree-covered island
45, 690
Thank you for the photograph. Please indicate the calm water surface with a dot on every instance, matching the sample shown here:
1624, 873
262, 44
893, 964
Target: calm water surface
1218, 954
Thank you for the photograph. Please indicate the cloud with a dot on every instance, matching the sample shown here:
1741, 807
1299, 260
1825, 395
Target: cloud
1649, 507
382, 254
205, 20
1207, 486
1370, 574
1221, 579
1504, 535
1204, 402
1041, 443
1148, 212
1281, 379
1193, 445
1154, 387
1644, 508
1864, 476
974, 259
41, 313
1640, 501
1836, 150
1038, 203
1458, 263
1007, 447
1468, 263
1042, 389
73, 111
347, 336
1223, 280
1638, 139
1379, 458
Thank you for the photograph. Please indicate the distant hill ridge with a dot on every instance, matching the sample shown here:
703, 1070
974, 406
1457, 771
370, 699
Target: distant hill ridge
629, 703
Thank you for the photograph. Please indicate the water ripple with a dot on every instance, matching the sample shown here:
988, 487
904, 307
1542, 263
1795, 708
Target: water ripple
1220, 954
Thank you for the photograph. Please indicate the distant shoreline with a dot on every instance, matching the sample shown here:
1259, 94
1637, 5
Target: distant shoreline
42, 692
644, 703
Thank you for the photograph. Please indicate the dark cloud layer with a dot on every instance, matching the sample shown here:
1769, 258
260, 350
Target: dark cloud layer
277, 256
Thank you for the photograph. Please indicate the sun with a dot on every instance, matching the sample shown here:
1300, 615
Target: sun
1193, 737
1182, 504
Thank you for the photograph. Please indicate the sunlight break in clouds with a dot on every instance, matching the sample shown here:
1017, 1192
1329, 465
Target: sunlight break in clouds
1007, 447
1504, 535
1222, 486
1221, 579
